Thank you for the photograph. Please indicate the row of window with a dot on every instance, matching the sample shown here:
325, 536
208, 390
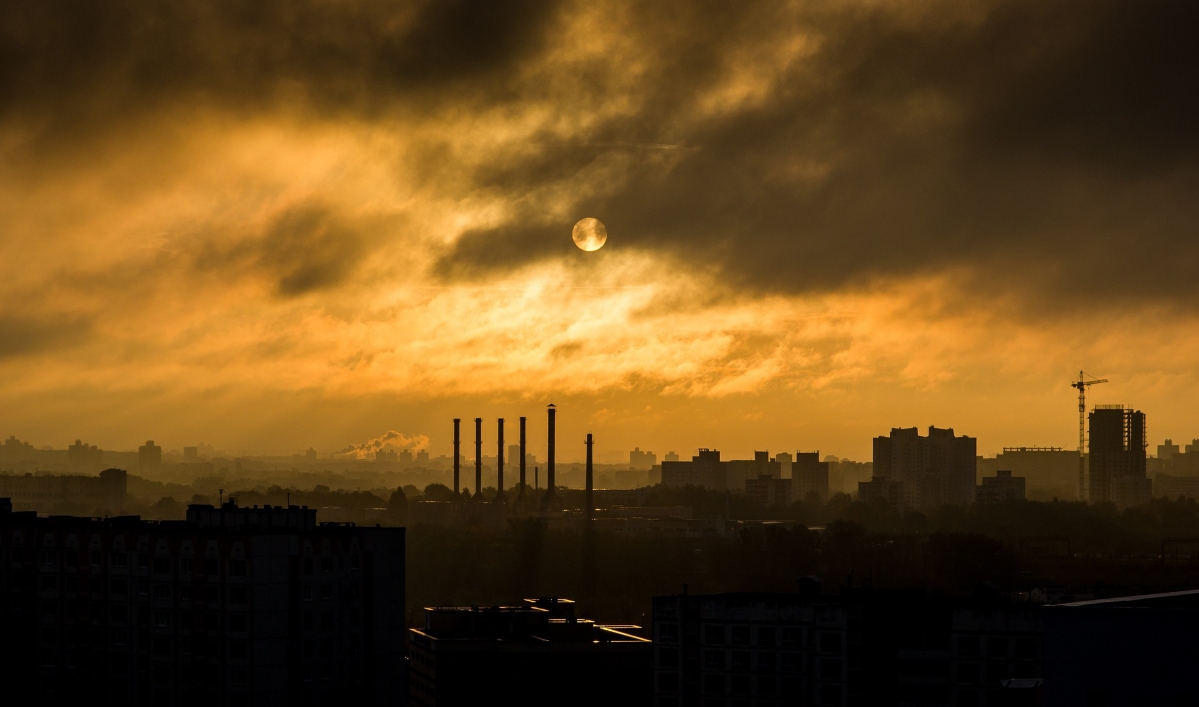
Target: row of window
119, 587
761, 636
1023, 647
158, 565
744, 685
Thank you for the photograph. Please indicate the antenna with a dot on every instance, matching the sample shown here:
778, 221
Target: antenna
1082, 386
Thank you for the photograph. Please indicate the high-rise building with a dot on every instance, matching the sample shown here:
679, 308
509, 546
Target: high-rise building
84, 457
642, 460
671, 457
1001, 487
149, 455
933, 470
1116, 455
784, 461
234, 606
810, 477
705, 470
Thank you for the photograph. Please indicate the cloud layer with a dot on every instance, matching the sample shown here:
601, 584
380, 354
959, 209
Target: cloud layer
204, 201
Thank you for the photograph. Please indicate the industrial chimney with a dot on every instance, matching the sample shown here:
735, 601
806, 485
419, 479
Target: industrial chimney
521, 493
457, 454
478, 457
587, 497
549, 468
499, 464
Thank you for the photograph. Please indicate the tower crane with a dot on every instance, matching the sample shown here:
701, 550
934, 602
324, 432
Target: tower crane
1082, 384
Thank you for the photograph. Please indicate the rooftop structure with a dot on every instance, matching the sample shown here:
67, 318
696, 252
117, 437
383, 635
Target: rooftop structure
538, 652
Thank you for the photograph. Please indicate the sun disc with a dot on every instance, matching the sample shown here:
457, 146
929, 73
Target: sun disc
590, 234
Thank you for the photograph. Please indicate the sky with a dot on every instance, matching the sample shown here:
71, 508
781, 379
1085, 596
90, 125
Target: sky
298, 223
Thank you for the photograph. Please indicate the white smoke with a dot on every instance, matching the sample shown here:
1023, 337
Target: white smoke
388, 440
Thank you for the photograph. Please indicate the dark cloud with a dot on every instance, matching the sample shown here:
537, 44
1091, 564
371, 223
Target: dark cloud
1048, 145
308, 247
73, 63
21, 335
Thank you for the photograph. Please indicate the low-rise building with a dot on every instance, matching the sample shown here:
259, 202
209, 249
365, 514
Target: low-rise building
538, 653
1001, 487
96, 495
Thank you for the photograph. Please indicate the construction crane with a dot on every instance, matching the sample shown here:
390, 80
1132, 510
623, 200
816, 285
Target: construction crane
1082, 386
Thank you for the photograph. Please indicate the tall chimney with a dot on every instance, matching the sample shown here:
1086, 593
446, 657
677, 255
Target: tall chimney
478, 457
587, 499
549, 467
457, 454
499, 464
521, 493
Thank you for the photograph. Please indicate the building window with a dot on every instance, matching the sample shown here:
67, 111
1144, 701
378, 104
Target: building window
766, 636
668, 633
830, 669
714, 684
740, 684
967, 673
185, 593
326, 591
714, 634
668, 682
766, 662
997, 647
968, 646
237, 622
766, 686
185, 565
308, 566
714, 660
830, 643
354, 561
162, 565
792, 636
308, 593
49, 557
212, 567
741, 635
740, 660
143, 560
162, 592
237, 650
162, 619
237, 595
326, 565
792, 663
119, 559
119, 586
97, 556
668, 657
237, 568
237, 677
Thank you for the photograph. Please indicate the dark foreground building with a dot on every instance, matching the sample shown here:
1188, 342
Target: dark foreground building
864, 647
234, 606
1138, 650
536, 654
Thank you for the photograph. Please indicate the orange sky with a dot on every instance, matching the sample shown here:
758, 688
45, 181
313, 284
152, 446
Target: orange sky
825, 220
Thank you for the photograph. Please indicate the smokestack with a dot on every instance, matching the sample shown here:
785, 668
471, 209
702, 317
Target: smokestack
587, 499
549, 467
478, 457
499, 464
457, 454
521, 493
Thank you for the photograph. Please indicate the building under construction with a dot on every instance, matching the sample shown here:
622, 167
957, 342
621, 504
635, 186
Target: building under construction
1117, 456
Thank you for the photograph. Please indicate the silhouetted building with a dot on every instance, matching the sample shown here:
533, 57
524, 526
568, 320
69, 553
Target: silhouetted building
191, 455
536, 654
149, 455
710, 649
705, 470
1001, 487
104, 493
1116, 456
234, 606
738, 472
784, 460
769, 490
862, 647
1049, 472
810, 477
1137, 650
84, 457
671, 457
642, 460
934, 470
